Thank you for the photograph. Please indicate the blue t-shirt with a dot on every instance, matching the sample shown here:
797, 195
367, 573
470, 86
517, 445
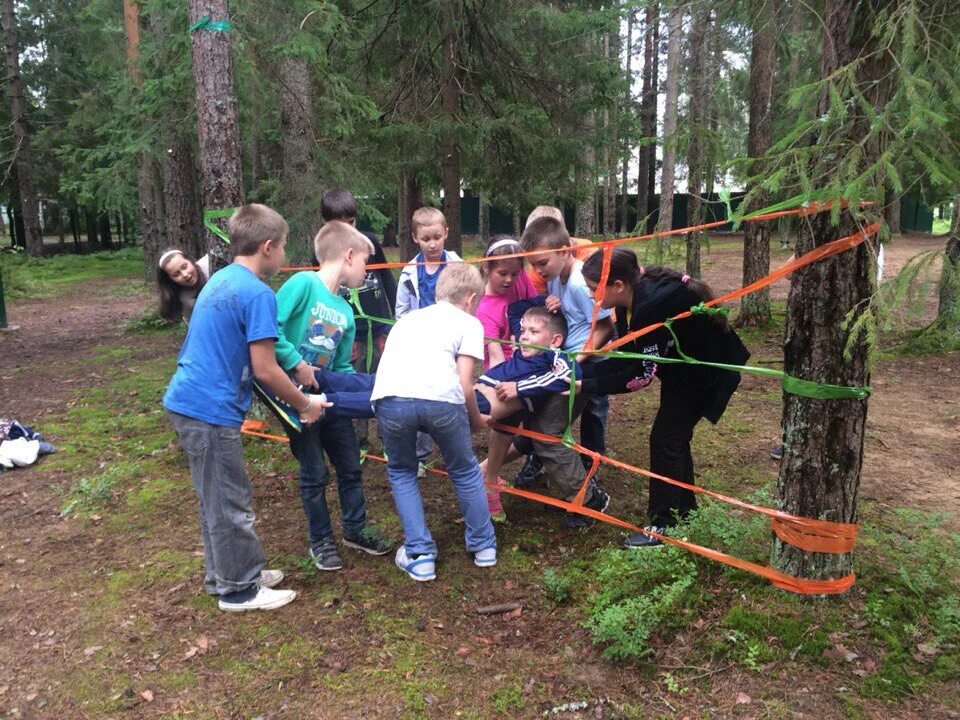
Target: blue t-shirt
427, 283
214, 377
576, 304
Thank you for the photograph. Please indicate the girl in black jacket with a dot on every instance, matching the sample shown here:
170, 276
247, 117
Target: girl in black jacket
687, 392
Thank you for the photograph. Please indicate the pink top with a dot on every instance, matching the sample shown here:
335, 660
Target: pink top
492, 314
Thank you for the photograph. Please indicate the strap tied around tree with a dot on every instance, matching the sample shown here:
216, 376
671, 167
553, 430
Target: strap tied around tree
208, 23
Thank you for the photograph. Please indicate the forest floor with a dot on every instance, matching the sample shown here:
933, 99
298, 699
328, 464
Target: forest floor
102, 612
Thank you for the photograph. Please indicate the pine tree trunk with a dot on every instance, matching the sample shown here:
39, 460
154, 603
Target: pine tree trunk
586, 215
515, 222
18, 226
153, 232
698, 122
299, 192
820, 470
106, 236
413, 198
61, 235
484, 219
181, 197
11, 223
450, 78
403, 219
21, 134
75, 227
625, 150
221, 179
671, 91
646, 160
755, 307
948, 313
93, 242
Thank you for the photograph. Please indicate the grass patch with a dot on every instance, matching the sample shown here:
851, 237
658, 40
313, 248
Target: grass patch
26, 277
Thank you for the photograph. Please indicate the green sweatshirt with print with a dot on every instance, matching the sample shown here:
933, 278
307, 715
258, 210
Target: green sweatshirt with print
314, 325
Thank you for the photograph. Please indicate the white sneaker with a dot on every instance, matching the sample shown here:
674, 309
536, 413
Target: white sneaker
271, 578
485, 558
422, 569
421, 471
265, 599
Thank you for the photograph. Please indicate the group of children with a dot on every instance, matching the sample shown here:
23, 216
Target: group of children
301, 349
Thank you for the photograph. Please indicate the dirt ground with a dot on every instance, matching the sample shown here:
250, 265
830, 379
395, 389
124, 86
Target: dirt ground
59, 651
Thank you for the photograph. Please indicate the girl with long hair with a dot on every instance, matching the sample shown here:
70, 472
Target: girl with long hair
179, 280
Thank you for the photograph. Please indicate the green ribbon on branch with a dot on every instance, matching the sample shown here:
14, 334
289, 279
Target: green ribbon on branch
210, 215
207, 23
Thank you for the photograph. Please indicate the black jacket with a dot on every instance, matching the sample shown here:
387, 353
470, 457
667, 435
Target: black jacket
700, 337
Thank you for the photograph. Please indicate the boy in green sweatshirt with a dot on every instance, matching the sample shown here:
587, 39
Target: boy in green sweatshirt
316, 330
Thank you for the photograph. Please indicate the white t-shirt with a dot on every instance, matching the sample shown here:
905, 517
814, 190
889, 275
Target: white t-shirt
420, 357
576, 304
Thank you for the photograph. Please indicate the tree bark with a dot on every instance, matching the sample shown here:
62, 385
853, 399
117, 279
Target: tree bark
609, 158
299, 192
820, 470
891, 210
12, 224
21, 134
403, 218
586, 216
413, 198
699, 126
450, 78
948, 312
75, 227
106, 236
625, 160
671, 91
217, 122
93, 242
755, 307
61, 235
183, 212
484, 219
646, 161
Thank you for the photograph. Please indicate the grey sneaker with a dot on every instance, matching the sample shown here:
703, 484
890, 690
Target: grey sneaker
325, 555
265, 599
370, 541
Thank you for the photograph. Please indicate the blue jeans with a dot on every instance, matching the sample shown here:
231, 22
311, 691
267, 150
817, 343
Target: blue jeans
335, 436
593, 426
399, 420
232, 552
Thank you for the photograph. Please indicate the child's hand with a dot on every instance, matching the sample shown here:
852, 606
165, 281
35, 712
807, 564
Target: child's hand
485, 422
318, 404
381, 341
552, 303
506, 391
304, 375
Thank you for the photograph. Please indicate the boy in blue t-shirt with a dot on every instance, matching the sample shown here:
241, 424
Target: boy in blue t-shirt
229, 342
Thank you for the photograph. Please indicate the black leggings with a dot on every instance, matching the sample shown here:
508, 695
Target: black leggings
670, 456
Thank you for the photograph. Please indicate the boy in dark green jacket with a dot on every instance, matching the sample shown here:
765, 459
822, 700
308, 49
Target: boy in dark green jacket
316, 330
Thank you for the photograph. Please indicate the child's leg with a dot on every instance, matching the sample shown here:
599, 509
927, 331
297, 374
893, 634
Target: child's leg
340, 443
498, 408
450, 429
330, 381
497, 449
349, 405
232, 550
307, 448
398, 422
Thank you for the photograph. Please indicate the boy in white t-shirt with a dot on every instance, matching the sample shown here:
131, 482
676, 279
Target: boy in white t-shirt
425, 384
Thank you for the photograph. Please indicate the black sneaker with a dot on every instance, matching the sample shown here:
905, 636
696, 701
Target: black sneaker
527, 476
325, 555
640, 540
370, 541
598, 501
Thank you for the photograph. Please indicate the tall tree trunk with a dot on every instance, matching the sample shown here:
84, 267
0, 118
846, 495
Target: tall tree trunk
221, 179
403, 219
646, 161
820, 471
413, 199
699, 125
106, 236
755, 307
609, 157
671, 91
948, 312
181, 197
624, 149
11, 222
484, 218
299, 191
21, 134
75, 227
93, 242
61, 235
515, 221
450, 78
586, 215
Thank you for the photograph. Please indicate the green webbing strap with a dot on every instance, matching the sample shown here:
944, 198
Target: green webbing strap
571, 398
210, 215
207, 23
355, 301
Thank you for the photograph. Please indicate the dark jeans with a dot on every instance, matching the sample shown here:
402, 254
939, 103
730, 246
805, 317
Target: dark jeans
336, 437
232, 552
362, 425
670, 456
593, 426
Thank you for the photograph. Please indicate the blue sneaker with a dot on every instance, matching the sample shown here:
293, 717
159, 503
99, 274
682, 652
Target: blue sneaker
421, 568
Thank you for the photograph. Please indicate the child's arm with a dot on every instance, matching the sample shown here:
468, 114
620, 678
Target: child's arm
495, 353
602, 332
406, 300
290, 303
465, 371
267, 371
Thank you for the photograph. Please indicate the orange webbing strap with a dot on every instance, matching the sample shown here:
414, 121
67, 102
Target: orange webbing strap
806, 533
598, 297
818, 253
781, 580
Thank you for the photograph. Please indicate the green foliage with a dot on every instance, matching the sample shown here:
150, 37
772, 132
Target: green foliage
90, 494
556, 585
507, 699
27, 277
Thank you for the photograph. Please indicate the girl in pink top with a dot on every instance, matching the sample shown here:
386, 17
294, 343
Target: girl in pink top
506, 283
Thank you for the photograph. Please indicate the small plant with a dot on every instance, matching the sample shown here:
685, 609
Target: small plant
147, 321
507, 699
673, 685
556, 585
94, 493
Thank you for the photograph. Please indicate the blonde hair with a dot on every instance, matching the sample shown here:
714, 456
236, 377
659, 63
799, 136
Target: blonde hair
458, 281
545, 211
335, 238
253, 224
426, 216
